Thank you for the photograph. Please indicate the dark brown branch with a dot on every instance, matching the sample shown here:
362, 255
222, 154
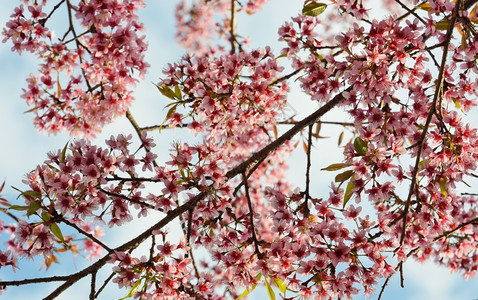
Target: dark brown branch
233, 27
93, 286
383, 287
133, 179
151, 249
280, 79
135, 242
251, 171
105, 283
437, 95
77, 41
43, 21
469, 3
9, 214
264, 152
307, 173
147, 205
409, 11
139, 131
251, 216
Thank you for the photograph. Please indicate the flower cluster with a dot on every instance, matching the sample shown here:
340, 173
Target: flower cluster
85, 78
198, 24
234, 95
203, 22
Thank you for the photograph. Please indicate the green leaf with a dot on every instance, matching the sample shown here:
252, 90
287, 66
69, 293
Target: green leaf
348, 192
177, 92
335, 167
281, 285
344, 176
16, 189
34, 194
18, 207
425, 6
63, 154
443, 190
442, 25
247, 292
270, 291
457, 104
133, 290
360, 146
166, 91
34, 206
341, 137
55, 229
313, 9
171, 112
45, 216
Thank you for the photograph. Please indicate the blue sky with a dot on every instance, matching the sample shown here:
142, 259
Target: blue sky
23, 148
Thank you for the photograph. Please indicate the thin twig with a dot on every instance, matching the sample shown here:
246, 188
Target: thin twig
87, 234
233, 27
43, 21
307, 173
133, 179
410, 11
383, 287
139, 131
285, 77
105, 283
147, 205
4, 210
251, 215
77, 41
402, 280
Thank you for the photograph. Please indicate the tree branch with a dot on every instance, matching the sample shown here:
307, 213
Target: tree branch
307, 173
264, 152
88, 235
233, 26
174, 213
438, 93
251, 216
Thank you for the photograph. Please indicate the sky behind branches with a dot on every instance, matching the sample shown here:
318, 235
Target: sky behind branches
23, 148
